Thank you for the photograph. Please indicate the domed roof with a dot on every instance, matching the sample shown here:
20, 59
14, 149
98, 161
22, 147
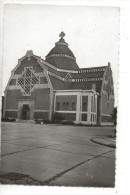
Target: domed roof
61, 56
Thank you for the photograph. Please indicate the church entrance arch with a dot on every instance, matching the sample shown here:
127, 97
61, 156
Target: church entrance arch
25, 109
25, 112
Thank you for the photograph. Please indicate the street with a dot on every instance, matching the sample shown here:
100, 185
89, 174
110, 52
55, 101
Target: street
35, 154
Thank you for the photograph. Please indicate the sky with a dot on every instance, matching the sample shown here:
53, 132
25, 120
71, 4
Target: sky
91, 32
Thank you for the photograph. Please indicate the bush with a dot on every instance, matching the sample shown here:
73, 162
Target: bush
42, 121
65, 122
57, 117
8, 119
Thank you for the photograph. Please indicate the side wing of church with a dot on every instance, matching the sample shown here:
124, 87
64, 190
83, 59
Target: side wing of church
39, 88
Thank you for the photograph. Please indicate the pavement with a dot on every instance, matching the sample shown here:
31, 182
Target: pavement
57, 155
105, 141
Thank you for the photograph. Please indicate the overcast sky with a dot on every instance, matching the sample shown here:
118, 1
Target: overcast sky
91, 32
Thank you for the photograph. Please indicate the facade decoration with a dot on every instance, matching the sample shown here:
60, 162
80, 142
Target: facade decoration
39, 88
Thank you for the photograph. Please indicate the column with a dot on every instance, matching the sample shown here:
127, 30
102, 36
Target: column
89, 108
78, 108
51, 104
99, 109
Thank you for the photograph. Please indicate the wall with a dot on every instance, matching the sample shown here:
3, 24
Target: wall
39, 94
28, 62
107, 96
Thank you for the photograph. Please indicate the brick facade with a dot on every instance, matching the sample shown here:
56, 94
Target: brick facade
106, 118
41, 115
107, 96
69, 116
88, 95
107, 106
40, 96
11, 114
29, 62
12, 82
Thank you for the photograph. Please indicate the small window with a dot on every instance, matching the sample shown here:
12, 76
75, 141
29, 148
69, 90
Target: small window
84, 103
84, 117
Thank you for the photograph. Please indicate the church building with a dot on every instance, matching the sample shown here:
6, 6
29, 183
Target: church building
39, 88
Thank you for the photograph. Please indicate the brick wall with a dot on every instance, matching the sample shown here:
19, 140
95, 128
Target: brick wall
41, 115
43, 80
41, 98
26, 63
11, 114
107, 106
12, 82
69, 116
106, 118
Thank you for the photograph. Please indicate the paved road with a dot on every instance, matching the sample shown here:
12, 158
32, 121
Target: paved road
56, 155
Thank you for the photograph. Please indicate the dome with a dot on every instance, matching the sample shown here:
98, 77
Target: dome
61, 56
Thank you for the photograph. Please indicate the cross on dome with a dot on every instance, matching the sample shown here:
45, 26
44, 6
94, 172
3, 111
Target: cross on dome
62, 34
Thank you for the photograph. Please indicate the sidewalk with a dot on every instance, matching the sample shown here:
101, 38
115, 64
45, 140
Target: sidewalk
105, 141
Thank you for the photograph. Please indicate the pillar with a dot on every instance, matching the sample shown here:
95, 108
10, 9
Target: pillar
78, 108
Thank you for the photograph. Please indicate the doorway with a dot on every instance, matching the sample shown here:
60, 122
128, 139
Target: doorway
25, 112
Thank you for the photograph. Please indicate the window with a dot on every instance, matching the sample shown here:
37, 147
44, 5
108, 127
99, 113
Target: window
91, 103
84, 103
73, 106
84, 117
92, 117
63, 108
28, 80
67, 105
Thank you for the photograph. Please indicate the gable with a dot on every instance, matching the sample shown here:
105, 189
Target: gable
28, 75
28, 62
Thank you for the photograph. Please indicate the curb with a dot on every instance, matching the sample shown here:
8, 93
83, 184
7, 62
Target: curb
111, 145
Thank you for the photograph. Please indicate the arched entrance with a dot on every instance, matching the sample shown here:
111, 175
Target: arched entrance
25, 112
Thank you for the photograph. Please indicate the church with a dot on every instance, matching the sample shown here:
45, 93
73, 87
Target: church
37, 89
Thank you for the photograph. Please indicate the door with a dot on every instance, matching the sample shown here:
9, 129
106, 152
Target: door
25, 112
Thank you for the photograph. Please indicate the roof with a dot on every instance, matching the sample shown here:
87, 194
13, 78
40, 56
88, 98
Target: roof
61, 56
86, 85
61, 49
58, 84
63, 63
95, 72
84, 79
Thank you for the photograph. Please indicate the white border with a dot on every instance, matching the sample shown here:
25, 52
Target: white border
123, 159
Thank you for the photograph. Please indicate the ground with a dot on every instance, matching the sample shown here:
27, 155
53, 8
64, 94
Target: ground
36, 154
